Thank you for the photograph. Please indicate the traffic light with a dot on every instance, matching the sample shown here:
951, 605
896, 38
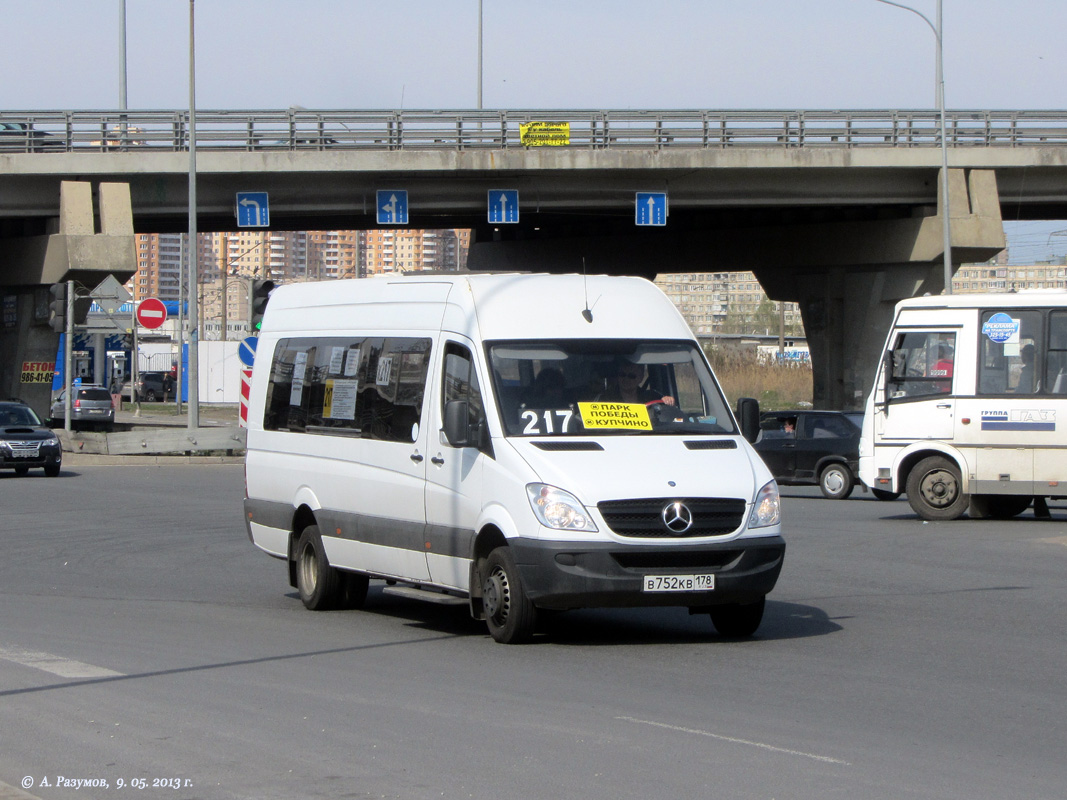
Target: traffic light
260, 291
57, 308
81, 308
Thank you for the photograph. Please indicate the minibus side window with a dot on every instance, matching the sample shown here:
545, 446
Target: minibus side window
923, 364
1056, 359
390, 400
1010, 353
347, 386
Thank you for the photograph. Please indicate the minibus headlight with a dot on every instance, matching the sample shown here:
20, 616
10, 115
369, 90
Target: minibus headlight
767, 510
555, 508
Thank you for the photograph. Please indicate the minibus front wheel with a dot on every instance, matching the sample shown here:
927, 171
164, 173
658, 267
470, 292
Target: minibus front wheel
738, 620
509, 613
935, 489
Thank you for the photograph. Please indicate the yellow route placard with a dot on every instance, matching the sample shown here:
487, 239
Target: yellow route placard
628, 416
545, 134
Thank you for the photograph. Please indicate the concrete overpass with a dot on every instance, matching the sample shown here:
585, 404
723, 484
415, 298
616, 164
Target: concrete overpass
836, 210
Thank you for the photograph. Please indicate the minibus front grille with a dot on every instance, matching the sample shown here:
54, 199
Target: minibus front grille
710, 516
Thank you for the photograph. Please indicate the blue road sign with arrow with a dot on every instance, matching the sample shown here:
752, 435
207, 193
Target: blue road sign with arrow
247, 351
392, 207
253, 211
651, 208
503, 206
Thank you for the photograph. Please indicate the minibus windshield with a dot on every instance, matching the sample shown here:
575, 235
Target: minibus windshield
606, 386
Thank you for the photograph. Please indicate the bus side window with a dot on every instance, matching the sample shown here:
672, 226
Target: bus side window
923, 364
1056, 356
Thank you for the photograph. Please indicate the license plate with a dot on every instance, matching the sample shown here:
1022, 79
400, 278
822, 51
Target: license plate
679, 583
25, 454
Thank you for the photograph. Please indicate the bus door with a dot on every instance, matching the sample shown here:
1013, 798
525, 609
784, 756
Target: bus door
1014, 415
454, 475
917, 386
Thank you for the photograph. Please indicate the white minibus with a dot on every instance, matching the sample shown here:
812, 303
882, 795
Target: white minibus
964, 413
514, 442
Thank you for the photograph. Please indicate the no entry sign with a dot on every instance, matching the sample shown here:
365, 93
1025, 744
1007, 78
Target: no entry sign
151, 313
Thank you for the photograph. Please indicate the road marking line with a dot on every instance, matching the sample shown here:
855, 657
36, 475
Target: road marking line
733, 740
63, 667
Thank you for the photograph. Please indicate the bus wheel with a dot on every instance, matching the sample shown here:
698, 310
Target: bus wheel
319, 584
935, 489
736, 620
882, 494
836, 482
509, 614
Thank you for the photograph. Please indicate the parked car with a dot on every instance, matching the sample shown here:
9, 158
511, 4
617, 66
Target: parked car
25, 441
152, 386
23, 137
90, 405
812, 447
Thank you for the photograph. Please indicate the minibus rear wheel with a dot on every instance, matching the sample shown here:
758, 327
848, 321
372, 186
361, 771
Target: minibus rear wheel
738, 620
321, 586
509, 613
935, 489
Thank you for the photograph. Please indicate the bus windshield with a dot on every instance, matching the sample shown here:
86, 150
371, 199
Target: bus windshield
606, 386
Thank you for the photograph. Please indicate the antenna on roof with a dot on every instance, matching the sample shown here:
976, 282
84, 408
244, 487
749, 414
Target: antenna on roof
587, 312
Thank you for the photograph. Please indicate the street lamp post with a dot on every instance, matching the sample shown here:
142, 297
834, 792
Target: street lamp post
946, 230
194, 273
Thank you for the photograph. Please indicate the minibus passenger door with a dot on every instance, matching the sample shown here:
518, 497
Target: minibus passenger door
918, 400
454, 474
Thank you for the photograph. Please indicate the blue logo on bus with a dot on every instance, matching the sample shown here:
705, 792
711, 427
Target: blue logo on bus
1000, 327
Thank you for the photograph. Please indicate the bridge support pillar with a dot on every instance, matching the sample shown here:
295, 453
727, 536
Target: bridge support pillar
73, 251
846, 315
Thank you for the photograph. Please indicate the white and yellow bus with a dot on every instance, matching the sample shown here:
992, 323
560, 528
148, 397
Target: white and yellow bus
966, 407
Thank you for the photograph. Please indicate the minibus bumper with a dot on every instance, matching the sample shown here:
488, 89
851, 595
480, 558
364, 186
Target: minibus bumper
562, 575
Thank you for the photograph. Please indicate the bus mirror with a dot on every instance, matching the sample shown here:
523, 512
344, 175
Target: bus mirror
748, 416
887, 376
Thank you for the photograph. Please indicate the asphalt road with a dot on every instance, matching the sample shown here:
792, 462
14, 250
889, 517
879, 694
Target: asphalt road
143, 638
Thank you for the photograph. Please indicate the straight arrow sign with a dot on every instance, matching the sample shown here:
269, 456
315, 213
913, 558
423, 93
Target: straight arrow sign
503, 206
651, 208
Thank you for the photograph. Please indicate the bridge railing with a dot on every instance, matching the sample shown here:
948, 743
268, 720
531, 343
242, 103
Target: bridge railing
103, 131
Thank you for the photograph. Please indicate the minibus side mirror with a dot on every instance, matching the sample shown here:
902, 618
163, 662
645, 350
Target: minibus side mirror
887, 377
457, 428
748, 417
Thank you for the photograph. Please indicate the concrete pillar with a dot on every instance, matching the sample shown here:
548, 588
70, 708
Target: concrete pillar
846, 316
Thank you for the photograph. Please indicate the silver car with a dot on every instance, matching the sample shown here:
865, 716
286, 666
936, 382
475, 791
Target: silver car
91, 406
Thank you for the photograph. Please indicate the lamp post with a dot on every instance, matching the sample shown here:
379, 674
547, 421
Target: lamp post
194, 273
940, 92
479, 55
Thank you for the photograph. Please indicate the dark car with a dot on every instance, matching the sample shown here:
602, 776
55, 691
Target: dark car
152, 386
90, 405
23, 137
812, 447
25, 441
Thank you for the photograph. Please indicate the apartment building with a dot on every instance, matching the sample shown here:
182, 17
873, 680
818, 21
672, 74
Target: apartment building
229, 261
998, 276
403, 250
728, 302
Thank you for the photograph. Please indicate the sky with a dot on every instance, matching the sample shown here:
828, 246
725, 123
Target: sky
538, 54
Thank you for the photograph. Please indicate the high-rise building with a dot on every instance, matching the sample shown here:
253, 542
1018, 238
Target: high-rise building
715, 303
228, 261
